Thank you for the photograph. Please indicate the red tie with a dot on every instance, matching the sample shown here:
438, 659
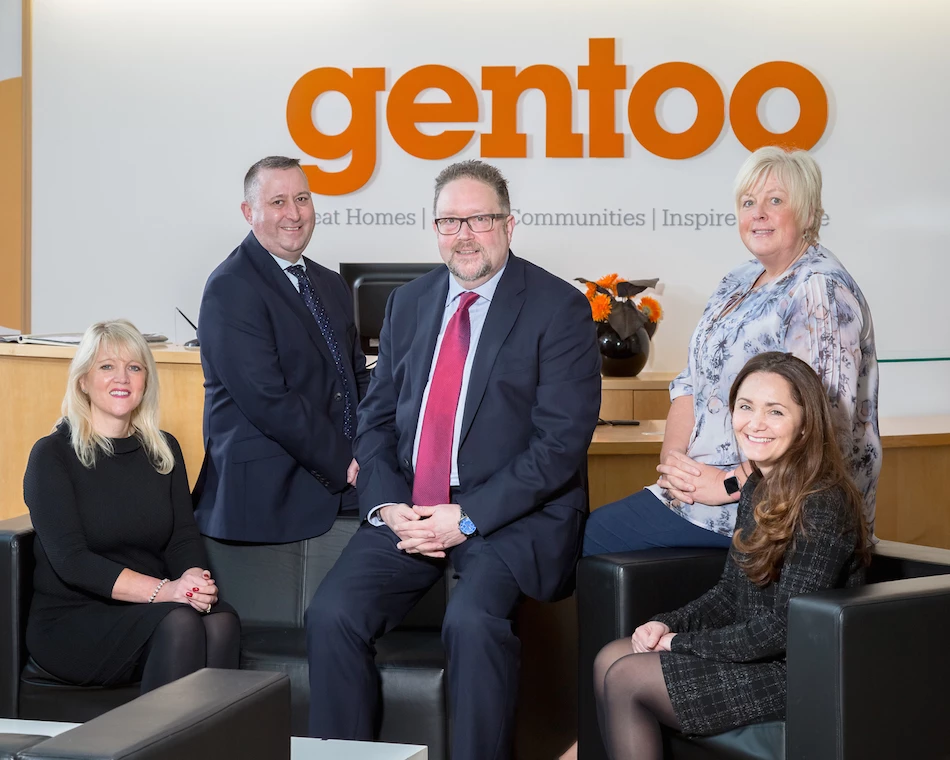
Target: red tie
434, 460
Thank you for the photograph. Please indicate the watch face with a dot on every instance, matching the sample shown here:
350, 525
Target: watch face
732, 485
466, 526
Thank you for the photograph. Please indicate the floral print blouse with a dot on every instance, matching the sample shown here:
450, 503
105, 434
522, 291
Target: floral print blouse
815, 311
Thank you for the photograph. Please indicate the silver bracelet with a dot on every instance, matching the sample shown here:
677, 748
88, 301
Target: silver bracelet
157, 589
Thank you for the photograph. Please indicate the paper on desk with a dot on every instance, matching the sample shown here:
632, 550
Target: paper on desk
72, 339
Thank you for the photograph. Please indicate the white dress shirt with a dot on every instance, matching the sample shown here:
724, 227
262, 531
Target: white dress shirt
476, 313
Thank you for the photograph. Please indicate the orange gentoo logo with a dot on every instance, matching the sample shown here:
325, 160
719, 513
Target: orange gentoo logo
601, 78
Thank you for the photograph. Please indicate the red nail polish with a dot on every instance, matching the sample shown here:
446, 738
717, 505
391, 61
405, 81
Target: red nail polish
195, 588
187, 593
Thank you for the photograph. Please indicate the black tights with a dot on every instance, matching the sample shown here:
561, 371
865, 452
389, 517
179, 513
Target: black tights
632, 702
187, 640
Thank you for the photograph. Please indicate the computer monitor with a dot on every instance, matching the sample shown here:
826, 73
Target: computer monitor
371, 285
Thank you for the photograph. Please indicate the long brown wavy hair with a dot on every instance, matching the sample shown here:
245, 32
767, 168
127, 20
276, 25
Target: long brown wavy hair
813, 463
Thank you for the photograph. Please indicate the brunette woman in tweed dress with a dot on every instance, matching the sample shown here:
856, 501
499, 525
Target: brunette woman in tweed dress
719, 662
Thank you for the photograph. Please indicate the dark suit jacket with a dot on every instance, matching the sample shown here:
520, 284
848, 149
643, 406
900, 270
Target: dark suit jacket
532, 405
275, 455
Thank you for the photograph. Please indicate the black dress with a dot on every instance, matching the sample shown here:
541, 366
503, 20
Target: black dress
727, 664
91, 524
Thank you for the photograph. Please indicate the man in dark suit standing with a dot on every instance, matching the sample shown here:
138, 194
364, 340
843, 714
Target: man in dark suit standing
471, 441
284, 373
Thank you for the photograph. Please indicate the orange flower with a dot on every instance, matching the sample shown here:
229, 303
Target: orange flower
600, 306
610, 282
591, 289
651, 308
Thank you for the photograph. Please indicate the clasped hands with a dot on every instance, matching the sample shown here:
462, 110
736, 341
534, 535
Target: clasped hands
689, 481
428, 531
195, 587
652, 637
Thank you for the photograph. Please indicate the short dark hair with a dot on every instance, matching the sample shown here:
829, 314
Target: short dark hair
271, 162
477, 170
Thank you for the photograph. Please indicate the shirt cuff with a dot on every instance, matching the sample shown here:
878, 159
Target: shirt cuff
373, 517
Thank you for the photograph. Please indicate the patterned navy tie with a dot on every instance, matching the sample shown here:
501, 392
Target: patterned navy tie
313, 303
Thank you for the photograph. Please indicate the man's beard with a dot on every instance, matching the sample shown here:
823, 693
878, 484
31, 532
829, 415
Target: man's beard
473, 270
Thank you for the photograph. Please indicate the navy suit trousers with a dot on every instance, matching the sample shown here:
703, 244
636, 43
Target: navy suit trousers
369, 591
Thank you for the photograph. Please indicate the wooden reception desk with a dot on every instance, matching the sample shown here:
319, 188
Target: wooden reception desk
32, 384
912, 504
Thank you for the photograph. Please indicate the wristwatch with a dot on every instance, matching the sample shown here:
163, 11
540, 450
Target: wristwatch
732, 485
466, 525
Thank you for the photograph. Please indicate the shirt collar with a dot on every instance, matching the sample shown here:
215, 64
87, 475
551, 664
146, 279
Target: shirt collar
486, 290
283, 263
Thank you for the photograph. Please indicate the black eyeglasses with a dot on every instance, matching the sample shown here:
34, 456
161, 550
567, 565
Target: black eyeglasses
450, 225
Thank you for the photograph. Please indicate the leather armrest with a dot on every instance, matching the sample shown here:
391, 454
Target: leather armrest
618, 592
237, 714
16, 590
868, 671
892, 560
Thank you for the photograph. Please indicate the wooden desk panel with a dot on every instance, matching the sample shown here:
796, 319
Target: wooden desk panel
32, 384
644, 397
911, 508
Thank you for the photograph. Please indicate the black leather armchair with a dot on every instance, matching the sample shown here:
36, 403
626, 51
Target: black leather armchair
868, 670
271, 586
211, 713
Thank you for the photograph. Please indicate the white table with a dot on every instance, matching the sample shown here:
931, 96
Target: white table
38, 727
334, 749
300, 748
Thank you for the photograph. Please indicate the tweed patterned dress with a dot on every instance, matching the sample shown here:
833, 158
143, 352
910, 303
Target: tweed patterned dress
727, 664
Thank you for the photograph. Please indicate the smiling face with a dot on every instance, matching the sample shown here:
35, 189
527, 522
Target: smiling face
115, 385
768, 224
766, 418
281, 212
473, 258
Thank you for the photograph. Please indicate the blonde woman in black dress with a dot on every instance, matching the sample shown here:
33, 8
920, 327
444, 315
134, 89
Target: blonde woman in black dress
719, 662
121, 587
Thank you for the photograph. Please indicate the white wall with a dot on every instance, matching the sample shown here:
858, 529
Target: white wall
146, 116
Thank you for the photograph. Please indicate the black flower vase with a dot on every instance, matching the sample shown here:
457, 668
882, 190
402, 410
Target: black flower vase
622, 358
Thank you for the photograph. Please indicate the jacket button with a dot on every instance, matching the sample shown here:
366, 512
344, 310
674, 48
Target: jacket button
337, 396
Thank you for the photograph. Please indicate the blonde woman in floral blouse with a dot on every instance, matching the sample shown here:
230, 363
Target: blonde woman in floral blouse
795, 296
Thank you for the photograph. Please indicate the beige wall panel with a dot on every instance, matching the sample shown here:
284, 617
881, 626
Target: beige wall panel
11, 204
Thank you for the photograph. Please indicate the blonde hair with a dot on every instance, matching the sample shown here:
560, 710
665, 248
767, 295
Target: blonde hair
799, 174
120, 335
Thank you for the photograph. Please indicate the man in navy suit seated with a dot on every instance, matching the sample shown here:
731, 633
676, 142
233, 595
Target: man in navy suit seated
471, 441
284, 373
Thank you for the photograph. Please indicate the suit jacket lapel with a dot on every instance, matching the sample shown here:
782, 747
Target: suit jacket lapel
274, 277
337, 321
429, 312
505, 306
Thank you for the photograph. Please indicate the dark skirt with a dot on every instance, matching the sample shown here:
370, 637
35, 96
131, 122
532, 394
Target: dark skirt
97, 643
711, 697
